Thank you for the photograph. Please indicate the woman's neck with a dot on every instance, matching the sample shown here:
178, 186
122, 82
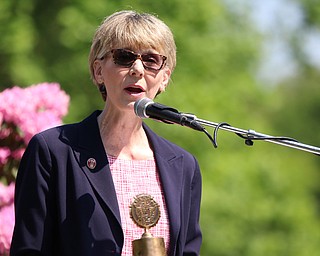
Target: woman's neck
124, 137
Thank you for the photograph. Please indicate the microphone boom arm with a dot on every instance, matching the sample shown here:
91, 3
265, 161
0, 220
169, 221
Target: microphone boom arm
250, 135
146, 108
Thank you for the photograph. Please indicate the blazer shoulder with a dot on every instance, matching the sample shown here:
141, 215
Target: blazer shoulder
54, 133
69, 133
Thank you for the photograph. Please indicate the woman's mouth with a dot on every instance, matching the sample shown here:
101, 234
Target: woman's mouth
134, 89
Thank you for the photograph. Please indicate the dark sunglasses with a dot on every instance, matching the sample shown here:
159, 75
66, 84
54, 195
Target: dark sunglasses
150, 61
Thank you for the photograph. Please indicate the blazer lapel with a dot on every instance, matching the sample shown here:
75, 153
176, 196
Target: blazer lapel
170, 166
94, 163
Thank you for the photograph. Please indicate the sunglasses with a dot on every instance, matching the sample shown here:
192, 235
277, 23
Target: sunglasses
150, 61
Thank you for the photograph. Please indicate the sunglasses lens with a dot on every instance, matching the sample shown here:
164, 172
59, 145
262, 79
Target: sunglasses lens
123, 57
152, 61
126, 58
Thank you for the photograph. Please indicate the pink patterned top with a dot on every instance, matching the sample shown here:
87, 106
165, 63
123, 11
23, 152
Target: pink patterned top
133, 177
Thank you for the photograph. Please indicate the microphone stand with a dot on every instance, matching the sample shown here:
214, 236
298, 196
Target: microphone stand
250, 135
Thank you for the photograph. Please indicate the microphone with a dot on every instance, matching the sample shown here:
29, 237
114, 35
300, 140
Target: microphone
146, 108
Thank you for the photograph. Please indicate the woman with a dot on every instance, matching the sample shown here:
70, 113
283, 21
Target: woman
76, 182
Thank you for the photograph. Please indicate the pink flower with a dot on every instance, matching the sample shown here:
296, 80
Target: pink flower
38, 121
35, 108
6, 217
6, 195
4, 155
17, 154
5, 132
6, 230
50, 98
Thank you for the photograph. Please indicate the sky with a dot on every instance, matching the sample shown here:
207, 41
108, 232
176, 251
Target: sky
278, 20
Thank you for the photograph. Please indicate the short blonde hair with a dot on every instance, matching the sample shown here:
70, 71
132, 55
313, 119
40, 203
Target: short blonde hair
132, 30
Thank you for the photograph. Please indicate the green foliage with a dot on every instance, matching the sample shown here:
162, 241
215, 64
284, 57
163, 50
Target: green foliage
311, 11
260, 200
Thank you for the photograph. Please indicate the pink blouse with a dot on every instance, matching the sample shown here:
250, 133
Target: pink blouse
133, 177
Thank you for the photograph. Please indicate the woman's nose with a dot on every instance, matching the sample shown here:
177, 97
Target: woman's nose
137, 68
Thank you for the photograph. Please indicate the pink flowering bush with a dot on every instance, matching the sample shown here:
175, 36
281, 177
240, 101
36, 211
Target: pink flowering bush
6, 217
23, 113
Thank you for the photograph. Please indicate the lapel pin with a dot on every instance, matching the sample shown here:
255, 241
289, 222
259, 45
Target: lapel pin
91, 163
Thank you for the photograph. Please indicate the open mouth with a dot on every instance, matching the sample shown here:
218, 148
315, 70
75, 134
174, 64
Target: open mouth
134, 89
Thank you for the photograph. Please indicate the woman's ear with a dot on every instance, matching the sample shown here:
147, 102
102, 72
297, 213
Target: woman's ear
165, 80
97, 72
97, 68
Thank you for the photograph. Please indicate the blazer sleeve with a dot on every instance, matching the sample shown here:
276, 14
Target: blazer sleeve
194, 235
33, 204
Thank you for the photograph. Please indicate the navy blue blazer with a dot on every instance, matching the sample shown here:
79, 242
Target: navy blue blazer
65, 208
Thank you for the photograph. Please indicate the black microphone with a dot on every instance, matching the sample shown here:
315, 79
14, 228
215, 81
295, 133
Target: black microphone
146, 108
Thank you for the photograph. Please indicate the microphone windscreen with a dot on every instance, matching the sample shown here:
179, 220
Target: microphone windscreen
140, 107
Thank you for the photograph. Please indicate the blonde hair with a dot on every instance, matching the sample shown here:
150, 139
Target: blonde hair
129, 29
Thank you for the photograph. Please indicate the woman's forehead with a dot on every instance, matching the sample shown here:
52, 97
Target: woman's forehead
139, 47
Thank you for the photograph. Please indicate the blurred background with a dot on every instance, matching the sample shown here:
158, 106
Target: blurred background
251, 63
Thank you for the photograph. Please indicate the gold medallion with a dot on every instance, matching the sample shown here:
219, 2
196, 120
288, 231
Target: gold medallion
145, 211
